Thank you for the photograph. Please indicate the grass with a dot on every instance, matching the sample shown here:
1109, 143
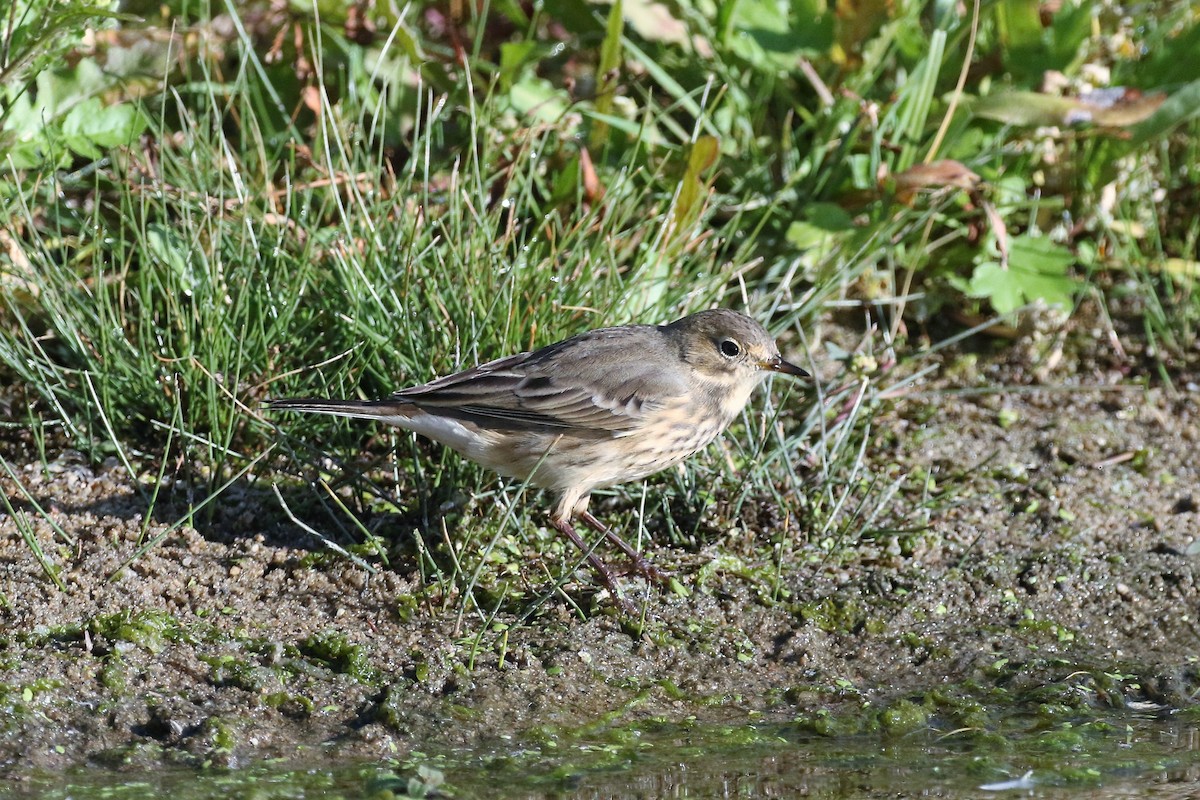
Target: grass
245, 216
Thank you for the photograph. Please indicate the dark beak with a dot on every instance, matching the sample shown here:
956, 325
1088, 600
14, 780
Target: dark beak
777, 364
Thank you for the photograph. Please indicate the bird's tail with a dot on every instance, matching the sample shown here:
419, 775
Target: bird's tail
360, 409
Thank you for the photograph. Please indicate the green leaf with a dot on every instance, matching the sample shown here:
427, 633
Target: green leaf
90, 126
1037, 270
172, 251
907, 119
773, 35
514, 56
1031, 48
1180, 107
1000, 286
539, 98
576, 16
693, 189
821, 227
1170, 62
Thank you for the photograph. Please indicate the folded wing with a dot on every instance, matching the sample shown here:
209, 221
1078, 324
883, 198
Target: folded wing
589, 385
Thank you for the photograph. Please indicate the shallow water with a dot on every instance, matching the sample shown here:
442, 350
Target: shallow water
1124, 756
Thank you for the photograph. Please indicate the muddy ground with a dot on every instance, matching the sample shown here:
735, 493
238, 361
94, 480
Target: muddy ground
1051, 562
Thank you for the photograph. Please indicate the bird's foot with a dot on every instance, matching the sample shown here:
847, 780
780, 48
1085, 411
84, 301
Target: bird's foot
598, 566
641, 565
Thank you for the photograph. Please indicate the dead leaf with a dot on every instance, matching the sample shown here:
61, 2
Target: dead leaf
593, 190
932, 177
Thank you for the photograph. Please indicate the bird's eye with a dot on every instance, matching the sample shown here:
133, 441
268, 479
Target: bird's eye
730, 348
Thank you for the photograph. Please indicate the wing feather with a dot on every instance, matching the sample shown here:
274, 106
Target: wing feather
599, 383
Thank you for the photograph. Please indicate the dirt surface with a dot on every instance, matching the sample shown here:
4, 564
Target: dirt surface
1050, 558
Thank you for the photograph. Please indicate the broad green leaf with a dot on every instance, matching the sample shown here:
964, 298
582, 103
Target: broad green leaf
1037, 270
821, 227
772, 35
539, 98
91, 127
170, 249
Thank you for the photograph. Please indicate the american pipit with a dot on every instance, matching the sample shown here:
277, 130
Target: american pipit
601, 408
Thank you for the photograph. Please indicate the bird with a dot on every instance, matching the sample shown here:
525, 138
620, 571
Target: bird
601, 408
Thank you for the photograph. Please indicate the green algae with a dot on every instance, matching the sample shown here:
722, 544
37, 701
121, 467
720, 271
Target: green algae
149, 629
335, 651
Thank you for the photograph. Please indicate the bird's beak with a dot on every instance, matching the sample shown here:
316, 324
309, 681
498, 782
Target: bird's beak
777, 364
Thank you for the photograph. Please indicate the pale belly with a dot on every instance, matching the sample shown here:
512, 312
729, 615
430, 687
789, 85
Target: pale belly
586, 464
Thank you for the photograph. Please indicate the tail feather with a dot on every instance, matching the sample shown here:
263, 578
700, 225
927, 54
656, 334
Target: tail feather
360, 409
442, 428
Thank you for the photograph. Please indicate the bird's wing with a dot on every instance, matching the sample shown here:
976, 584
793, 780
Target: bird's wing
595, 386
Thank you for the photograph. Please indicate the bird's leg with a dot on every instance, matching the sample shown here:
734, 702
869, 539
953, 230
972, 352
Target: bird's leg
640, 562
564, 526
